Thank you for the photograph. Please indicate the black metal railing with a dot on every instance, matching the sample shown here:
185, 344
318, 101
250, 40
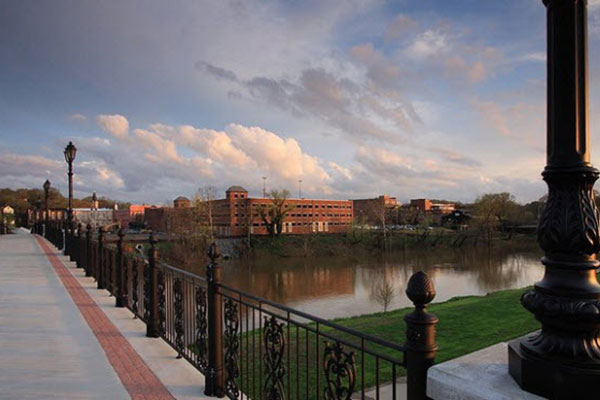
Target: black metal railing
250, 347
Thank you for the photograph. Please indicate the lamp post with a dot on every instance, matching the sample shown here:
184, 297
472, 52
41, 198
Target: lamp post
70, 152
46, 190
563, 359
299, 188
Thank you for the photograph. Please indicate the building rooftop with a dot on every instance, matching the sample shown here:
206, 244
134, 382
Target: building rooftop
236, 188
180, 198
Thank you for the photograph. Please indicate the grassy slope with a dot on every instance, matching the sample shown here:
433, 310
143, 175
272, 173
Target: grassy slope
466, 323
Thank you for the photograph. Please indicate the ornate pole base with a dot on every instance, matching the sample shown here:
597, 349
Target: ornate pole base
553, 380
562, 361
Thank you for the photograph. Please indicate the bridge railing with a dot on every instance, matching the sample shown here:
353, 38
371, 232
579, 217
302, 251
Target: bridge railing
251, 347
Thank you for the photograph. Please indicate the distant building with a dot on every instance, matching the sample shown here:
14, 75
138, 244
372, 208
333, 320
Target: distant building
94, 216
134, 214
457, 219
182, 202
377, 211
421, 210
238, 215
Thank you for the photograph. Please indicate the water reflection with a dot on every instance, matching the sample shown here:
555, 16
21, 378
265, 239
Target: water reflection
342, 286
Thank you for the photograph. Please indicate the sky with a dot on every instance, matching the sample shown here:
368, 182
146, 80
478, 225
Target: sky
357, 98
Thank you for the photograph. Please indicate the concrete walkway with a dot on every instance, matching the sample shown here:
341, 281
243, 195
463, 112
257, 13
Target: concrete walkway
50, 350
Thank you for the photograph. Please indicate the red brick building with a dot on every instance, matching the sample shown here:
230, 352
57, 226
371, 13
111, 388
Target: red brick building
238, 215
422, 209
133, 213
382, 210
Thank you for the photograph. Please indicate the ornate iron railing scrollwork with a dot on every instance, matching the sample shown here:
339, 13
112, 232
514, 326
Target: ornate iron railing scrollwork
201, 328
178, 304
162, 311
340, 372
135, 288
231, 345
147, 292
274, 349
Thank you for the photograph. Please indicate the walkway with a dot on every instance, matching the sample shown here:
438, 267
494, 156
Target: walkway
60, 338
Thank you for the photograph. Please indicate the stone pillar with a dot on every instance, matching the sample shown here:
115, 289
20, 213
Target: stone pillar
562, 361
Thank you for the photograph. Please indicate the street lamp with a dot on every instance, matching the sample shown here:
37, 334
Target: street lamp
70, 152
562, 360
46, 190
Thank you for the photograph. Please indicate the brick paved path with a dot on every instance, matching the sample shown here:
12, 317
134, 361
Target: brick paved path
57, 341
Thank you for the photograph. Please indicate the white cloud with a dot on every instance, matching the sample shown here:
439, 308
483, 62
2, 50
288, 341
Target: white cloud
428, 44
117, 125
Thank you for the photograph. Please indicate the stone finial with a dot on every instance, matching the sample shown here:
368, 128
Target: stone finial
420, 289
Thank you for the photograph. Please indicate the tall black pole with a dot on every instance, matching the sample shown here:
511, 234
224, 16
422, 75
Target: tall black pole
46, 190
562, 361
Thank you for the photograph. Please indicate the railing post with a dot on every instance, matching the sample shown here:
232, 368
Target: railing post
119, 292
67, 244
61, 239
78, 246
152, 324
100, 264
420, 336
214, 375
88, 250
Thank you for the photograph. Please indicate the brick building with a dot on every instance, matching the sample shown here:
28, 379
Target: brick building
130, 215
182, 202
422, 209
238, 215
382, 210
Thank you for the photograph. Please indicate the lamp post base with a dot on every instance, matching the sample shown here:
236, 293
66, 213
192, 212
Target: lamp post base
553, 380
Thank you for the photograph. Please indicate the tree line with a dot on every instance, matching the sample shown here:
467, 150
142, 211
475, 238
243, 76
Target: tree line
22, 200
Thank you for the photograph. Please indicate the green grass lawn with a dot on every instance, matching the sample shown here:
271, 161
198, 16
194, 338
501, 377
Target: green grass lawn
466, 324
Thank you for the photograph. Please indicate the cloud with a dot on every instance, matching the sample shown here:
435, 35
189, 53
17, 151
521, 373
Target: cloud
371, 109
429, 43
78, 118
400, 25
217, 145
117, 125
216, 72
160, 149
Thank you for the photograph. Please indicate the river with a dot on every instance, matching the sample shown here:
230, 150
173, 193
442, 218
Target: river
344, 286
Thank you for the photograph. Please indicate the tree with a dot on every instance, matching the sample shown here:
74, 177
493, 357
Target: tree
493, 211
274, 214
191, 229
203, 207
383, 292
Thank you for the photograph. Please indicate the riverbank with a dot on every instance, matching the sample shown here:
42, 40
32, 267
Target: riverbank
365, 241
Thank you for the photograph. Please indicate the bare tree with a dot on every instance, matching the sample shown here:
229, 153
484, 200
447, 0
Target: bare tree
383, 292
203, 206
273, 214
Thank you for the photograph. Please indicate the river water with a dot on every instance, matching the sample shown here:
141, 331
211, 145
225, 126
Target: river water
343, 286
